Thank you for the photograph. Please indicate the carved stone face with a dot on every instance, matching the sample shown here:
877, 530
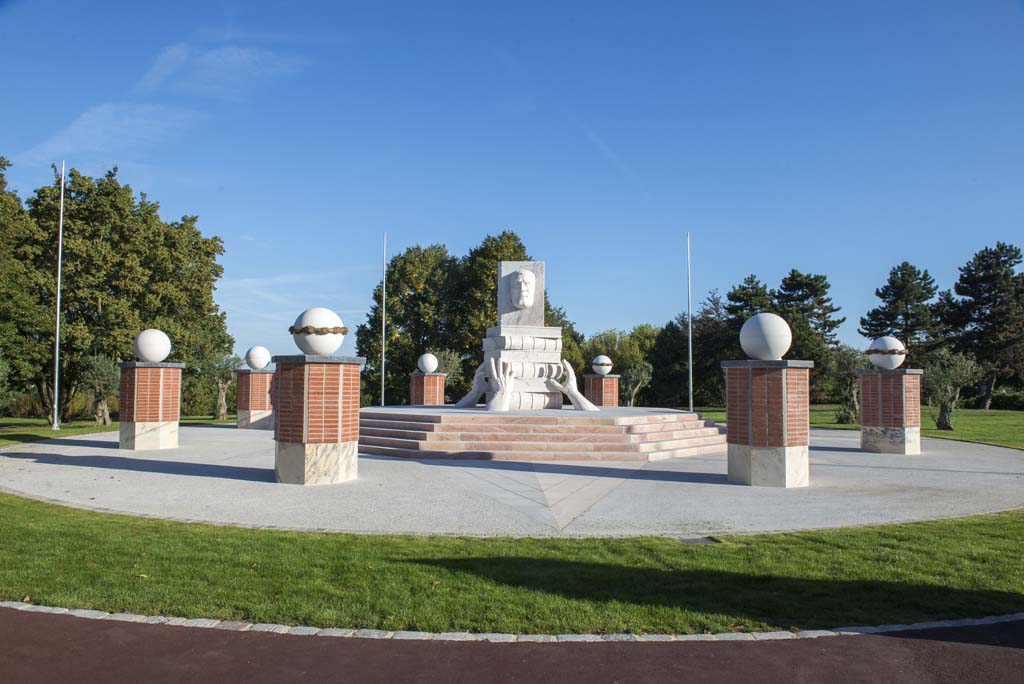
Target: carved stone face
524, 284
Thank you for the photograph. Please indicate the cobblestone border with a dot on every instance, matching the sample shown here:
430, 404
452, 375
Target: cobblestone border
300, 630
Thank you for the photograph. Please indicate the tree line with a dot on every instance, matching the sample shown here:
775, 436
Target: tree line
442, 303
124, 269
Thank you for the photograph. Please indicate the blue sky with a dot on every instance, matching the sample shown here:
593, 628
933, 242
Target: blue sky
830, 137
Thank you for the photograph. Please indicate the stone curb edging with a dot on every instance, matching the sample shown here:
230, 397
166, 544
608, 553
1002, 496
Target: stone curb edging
300, 630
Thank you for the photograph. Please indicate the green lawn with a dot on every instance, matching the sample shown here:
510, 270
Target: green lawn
19, 430
1002, 428
900, 573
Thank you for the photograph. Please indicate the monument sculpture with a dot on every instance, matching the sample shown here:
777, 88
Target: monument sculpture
523, 369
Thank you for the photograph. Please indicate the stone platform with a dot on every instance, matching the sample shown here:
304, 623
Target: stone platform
224, 475
612, 434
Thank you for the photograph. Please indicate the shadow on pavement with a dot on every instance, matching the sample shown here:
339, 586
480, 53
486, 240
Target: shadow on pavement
569, 469
143, 465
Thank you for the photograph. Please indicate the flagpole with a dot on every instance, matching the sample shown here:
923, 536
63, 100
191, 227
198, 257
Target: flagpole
383, 312
689, 322
56, 336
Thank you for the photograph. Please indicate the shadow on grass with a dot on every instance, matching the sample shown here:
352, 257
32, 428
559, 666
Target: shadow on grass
143, 465
27, 437
785, 602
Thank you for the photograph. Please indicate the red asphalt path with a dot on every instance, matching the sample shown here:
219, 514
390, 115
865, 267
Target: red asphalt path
39, 647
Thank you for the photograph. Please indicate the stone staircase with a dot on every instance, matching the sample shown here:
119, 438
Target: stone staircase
536, 438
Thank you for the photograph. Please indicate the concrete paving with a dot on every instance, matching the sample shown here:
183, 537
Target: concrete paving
224, 475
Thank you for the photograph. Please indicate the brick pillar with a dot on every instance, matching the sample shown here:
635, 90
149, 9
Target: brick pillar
601, 390
890, 410
426, 389
768, 421
149, 405
255, 405
316, 418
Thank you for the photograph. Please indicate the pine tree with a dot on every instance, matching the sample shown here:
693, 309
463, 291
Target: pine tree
805, 295
986, 319
905, 312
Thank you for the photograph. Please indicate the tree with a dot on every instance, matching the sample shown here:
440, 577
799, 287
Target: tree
748, 298
841, 382
947, 374
625, 351
635, 379
124, 270
905, 312
986, 319
805, 295
100, 376
436, 301
419, 298
450, 363
714, 339
7, 394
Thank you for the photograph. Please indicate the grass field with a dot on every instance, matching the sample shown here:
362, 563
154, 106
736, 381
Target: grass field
901, 573
19, 430
1002, 428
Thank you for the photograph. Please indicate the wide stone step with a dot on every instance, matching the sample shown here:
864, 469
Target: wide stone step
684, 443
497, 445
500, 455
689, 423
495, 428
636, 438
705, 450
616, 438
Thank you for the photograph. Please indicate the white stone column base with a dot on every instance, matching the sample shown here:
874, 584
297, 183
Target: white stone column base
312, 464
880, 440
148, 435
256, 420
769, 466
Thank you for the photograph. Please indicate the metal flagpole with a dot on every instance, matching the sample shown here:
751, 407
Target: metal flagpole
383, 312
56, 336
689, 321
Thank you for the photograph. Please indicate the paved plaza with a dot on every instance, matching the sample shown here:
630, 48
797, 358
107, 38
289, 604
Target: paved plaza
225, 475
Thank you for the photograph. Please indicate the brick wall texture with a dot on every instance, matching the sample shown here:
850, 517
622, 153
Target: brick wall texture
601, 390
316, 403
254, 391
767, 406
149, 395
890, 400
426, 390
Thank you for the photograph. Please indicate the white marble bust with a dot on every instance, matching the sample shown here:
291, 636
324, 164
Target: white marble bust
523, 285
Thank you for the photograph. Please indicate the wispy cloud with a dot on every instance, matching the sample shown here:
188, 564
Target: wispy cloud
222, 71
113, 128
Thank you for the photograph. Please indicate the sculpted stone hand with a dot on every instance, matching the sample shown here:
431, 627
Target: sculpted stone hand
504, 379
568, 388
478, 390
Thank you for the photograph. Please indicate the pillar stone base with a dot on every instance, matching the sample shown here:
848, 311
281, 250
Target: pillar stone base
769, 466
148, 435
314, 464
906, 441
256, 420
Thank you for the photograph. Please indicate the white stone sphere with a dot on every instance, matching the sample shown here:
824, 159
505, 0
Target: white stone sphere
427, 363
257, 357
152, 345
314, 343
602, 365
887, 361
766, 337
